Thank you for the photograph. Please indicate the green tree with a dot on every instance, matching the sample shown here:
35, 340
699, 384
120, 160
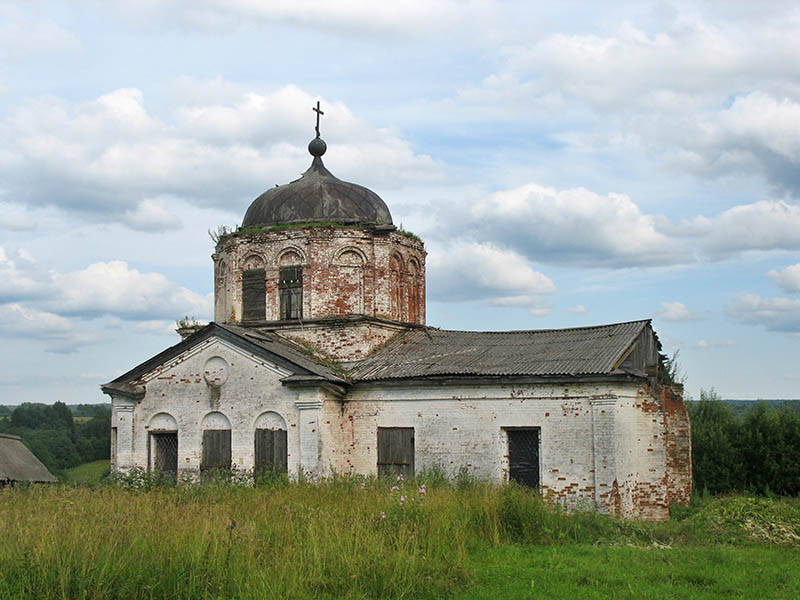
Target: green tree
716, 459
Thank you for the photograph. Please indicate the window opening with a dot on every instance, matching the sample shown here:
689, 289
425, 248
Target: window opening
396, 451
290, 285
165, 453
523, 456
216, 452
254, 295
271, 456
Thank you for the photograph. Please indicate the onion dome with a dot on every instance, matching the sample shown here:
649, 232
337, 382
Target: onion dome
316, 197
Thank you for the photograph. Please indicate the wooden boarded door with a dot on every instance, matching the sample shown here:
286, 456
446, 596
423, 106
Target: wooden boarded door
271, 456
523, 456
396, 451
216, 451
165, 453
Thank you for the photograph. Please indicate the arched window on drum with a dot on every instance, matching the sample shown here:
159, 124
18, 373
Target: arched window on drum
290, 286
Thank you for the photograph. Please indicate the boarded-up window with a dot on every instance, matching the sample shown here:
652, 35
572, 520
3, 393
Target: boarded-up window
396, 451
290, 286
523, 456
164, 446
270, 452
216, 450
254, 295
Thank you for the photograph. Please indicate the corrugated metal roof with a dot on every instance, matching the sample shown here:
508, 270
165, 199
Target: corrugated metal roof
550, 352
17, 463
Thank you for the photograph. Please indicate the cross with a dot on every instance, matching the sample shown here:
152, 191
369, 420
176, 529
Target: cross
319, 112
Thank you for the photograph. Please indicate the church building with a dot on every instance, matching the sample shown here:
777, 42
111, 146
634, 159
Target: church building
319, 360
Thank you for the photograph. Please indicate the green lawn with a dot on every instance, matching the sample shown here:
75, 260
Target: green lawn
87, 473
584, 571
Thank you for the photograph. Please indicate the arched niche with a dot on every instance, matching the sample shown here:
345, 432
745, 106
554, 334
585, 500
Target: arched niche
253, 261
270, 420
291, 256
215, 420
350, 257
162, 422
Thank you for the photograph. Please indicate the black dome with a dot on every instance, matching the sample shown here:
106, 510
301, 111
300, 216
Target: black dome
318, 196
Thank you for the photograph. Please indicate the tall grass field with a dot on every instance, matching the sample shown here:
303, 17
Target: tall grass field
367, 538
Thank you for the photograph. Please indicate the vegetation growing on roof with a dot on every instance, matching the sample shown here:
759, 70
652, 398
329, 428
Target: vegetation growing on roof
189, 323
321, 358
224, 232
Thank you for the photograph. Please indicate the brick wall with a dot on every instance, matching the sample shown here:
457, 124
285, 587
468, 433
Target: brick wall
345, 271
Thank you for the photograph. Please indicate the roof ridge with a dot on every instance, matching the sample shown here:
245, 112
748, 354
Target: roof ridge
507, 331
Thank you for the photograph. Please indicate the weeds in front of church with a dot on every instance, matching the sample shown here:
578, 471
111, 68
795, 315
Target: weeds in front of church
349, 538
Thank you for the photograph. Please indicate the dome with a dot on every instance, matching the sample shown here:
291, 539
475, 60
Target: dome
318, 196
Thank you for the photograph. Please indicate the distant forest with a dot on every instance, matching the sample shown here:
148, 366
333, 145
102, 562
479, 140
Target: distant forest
61, 436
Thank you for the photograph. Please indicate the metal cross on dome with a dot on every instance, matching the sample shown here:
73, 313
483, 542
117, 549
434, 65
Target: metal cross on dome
319, 112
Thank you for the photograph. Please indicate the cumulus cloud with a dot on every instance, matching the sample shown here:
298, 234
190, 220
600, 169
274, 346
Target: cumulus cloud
788, 279
775, 314
151, 215
765, 225
59, 333
351, 17
705, 345
104, 288
21, 37
113, 288
21, 277
111, 158
677, 311
468, 271
574, 226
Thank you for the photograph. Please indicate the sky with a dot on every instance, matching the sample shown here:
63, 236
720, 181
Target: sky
566, 164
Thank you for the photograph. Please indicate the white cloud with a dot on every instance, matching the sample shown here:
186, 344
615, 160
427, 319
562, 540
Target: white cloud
788, 279
21, 37
705, 345
151, 215
465, 271
109, 159
351, 17
775, 314
765, 225
574, 226
105, 288
676, 311
579, 309
112, 288
60, 334
20, 275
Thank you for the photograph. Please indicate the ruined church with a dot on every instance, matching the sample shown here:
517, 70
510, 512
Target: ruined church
319, 360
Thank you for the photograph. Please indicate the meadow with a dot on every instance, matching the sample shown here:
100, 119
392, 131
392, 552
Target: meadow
368, 538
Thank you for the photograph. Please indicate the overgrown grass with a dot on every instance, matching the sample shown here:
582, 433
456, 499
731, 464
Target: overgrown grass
90, 473
339, 538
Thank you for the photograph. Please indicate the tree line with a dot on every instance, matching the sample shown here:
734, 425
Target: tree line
59, 439
753, 450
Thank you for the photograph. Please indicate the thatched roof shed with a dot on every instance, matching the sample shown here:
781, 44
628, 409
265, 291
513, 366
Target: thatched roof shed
17, 463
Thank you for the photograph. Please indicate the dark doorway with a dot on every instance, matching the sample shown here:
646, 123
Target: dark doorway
165, 453
270, 452
396, 451
216, 452
523, 456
